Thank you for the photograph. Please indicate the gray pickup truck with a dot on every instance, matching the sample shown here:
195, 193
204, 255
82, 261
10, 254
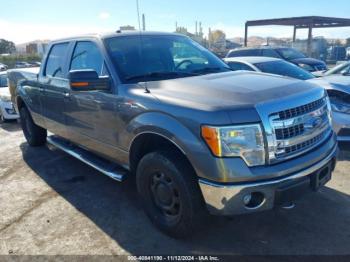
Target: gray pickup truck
196, 136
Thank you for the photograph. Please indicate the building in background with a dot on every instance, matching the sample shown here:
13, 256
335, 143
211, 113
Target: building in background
37, 47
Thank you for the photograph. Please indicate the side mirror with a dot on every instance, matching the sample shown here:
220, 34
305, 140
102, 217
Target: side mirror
87, 80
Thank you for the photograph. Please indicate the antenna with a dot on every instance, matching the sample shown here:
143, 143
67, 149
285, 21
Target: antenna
141, 40
138, 13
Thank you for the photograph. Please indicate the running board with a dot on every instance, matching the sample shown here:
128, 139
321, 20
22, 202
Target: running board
104, 166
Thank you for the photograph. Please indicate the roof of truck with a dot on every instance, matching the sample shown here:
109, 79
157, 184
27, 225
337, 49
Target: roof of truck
116, 34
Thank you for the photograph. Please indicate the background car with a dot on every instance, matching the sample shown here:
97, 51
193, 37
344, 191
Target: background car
289, 54
21, 64
7, 110
342, 69
336, 53
3, 67
338, 87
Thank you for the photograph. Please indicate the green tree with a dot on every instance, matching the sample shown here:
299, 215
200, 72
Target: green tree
7, 47
216, 35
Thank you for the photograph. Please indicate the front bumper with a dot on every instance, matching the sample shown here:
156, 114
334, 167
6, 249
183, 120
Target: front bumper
223, 199
341, 125
8, 111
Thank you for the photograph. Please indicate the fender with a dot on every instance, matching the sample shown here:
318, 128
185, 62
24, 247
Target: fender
170, 128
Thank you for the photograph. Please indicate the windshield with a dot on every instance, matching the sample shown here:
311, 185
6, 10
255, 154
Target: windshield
284, 69
151, 58
290, 53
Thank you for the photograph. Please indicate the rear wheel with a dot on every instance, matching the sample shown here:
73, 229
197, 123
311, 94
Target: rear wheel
170, 193
34, 134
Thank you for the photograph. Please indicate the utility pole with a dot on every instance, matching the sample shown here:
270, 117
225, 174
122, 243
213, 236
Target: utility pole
143, 22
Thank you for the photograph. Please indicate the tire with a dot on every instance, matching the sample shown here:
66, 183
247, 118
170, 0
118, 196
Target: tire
170, 194
35, 135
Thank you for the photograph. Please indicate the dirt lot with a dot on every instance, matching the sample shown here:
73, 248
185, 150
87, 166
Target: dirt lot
51, 203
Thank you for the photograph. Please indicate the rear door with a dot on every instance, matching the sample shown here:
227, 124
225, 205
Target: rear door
55, 89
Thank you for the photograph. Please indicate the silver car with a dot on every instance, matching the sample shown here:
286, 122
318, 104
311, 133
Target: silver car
338, 86
7, 110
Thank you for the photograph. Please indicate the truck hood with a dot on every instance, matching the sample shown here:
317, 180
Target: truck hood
241, 89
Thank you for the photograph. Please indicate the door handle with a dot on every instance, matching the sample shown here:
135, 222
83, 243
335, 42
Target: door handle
66, 94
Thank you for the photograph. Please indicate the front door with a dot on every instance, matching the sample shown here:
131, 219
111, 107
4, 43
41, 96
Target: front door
90, 115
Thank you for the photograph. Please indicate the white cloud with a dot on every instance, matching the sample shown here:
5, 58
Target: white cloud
104, 15
25, 32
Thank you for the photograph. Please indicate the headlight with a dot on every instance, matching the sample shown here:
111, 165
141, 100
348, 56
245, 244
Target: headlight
245, 141
5, 98
339, 106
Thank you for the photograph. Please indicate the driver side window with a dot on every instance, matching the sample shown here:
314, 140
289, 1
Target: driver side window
87, 56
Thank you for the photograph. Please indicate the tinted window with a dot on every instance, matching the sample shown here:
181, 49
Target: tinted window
87, 56
160, 57
284, 68
247, 52
289, 53
55, 62
270, 53
3, 80
235, 66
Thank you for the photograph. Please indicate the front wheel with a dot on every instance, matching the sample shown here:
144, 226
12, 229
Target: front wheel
170, 193
34, 134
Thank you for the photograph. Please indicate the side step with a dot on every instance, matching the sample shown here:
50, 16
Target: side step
104, 166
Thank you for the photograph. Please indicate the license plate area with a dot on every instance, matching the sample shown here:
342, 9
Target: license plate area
321, 177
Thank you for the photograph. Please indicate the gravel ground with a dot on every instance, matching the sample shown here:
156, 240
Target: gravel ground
52, 204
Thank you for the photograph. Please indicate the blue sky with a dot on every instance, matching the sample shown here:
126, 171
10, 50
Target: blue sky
22, 21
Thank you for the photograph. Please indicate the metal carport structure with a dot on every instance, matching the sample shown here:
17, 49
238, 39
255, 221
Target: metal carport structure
303, 22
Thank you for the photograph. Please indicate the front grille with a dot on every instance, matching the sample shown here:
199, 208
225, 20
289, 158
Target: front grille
308, 143
301, 110
299, 129
284, 133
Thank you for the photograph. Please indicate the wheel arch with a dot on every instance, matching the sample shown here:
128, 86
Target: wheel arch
149, 141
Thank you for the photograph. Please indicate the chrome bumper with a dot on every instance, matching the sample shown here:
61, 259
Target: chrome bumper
224, 199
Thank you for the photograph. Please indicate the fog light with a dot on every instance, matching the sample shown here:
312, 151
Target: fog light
254, 200
247, 199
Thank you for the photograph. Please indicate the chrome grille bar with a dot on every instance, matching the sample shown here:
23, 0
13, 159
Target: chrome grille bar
298, 130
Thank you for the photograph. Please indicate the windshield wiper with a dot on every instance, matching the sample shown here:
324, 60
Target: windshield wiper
205, 70
160, 75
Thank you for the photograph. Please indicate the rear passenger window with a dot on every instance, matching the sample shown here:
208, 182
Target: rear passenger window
88, 56
55, 62
246, 52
